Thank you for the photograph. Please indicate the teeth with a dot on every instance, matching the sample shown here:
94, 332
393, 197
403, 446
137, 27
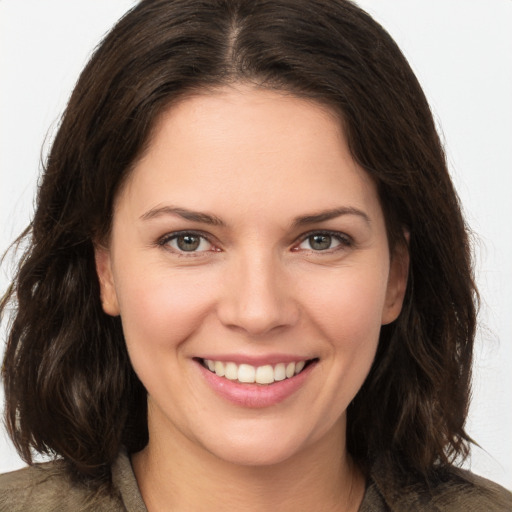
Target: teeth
247, 373
265, 374
280, 371
290, 370
231, 371
219, 368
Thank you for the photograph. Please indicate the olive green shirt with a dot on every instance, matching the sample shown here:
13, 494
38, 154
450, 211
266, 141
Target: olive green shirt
47, 487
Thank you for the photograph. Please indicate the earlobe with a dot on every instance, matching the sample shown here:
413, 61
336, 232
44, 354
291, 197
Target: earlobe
108, 294
397, 284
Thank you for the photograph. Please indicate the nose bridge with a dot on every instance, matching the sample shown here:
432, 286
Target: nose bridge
256, 298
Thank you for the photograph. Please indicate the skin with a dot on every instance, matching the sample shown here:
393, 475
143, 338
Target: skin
257, 161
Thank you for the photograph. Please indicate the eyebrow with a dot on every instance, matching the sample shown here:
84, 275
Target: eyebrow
184, 213
328, 215
212, 220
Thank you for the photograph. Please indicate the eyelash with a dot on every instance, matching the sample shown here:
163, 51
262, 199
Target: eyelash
344, 242
166, 239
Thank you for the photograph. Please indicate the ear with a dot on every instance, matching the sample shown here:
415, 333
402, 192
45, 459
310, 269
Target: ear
108, 293
397, 282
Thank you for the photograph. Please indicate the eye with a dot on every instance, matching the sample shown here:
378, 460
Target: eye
187, 242
324, 241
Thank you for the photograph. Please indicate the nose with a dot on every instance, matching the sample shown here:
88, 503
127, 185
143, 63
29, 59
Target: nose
256, 297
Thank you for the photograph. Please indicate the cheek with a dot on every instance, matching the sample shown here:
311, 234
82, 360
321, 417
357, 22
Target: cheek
347, 307
163, 307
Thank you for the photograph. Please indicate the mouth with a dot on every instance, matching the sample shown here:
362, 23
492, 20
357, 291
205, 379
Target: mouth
248, 374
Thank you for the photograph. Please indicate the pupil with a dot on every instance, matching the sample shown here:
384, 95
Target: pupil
320, 242
188, 242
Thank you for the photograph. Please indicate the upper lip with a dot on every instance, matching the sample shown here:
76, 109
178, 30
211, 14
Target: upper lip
257, 360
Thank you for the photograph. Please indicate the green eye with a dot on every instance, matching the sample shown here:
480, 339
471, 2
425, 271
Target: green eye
320, 242
187, 242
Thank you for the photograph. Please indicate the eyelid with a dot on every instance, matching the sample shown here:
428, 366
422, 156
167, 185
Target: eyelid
164, 240
344, 239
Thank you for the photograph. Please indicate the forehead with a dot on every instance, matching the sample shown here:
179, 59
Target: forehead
259, 149
250, 118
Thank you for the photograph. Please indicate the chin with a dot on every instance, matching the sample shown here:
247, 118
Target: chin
254, 454
261, 445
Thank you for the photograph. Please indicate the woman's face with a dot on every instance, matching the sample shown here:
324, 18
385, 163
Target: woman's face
250, 265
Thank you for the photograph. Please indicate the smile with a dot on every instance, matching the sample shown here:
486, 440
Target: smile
249, 374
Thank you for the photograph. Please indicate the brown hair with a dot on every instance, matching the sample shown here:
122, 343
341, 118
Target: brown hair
70, 389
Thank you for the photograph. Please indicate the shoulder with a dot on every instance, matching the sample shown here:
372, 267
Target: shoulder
48, 487
470, 492
450, 490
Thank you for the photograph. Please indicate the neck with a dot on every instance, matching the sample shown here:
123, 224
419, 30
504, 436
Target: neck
174, 473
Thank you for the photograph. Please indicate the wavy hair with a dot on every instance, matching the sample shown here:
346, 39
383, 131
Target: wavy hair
70, 389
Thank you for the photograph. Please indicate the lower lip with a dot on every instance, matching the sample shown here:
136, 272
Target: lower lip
255, 396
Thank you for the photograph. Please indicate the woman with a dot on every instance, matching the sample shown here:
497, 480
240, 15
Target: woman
242, 288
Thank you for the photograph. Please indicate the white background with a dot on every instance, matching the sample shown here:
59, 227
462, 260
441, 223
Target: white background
461, 51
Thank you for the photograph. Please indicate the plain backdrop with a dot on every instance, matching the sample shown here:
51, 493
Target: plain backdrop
461, 51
